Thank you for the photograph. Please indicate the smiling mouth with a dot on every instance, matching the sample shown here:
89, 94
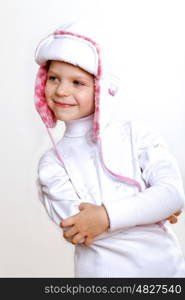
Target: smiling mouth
64, 104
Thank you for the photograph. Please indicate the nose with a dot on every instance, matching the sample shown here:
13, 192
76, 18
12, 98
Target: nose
62, 90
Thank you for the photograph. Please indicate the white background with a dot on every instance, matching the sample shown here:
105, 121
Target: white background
148, 37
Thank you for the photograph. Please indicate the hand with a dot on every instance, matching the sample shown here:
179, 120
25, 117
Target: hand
91, 221
173, 218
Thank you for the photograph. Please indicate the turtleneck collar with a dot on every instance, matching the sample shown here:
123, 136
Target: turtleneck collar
79, 127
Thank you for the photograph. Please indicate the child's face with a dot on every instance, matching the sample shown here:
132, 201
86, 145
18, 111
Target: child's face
69, 91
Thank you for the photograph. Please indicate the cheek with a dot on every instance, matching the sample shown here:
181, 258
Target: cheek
85, 99
91, 99
48, 92
86, 102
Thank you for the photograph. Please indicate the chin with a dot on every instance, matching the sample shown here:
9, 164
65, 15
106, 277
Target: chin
67, 118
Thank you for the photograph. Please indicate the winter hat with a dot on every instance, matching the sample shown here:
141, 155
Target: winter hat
73, 43
71, 48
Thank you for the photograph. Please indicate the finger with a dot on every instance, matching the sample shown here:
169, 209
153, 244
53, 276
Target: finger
173, 219
69, 233
77, 239
88, 241
82, 206
169, 218
178, 213
68, 222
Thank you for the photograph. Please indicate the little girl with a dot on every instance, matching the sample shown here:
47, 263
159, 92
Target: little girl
109, 184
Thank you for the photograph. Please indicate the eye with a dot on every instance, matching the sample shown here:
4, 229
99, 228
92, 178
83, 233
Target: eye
77, 82
52, 78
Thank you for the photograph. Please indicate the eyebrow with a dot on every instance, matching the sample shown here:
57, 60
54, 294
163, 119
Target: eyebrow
51, 71
79, 76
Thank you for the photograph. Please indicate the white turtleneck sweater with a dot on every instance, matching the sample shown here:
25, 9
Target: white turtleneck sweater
125, 250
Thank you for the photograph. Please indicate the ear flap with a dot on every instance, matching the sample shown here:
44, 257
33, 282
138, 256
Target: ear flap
43, 109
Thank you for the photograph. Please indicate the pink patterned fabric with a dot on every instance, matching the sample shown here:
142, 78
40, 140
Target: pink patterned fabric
43, 109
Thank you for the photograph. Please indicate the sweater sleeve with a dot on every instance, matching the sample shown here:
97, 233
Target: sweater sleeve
55, 189
164, 193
